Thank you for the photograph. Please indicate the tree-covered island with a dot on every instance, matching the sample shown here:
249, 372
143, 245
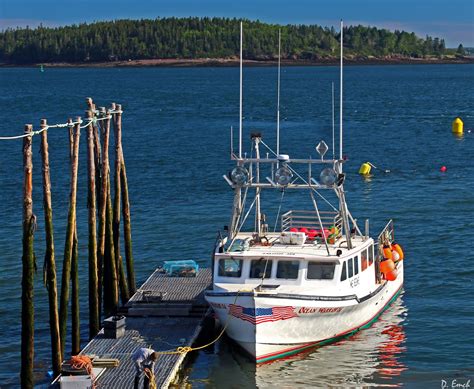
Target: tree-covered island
198, 39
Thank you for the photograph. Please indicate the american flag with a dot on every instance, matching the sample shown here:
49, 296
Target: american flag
261, 315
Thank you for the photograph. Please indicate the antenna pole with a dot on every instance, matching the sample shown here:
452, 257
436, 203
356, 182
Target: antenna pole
333, 141
340, 95
278, 95
240, 108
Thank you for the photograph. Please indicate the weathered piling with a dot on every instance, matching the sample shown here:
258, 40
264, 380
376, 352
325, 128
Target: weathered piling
70, 233
94, 317
117, 120
49, 260
106, 251
75, 316
127, 225
98, 184
28, 260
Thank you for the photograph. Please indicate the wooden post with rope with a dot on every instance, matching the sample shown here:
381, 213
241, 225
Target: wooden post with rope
98, 172
105, 226
69, 245
75, 318
28, 260
50, 263
127, 226
117, 120
94, 316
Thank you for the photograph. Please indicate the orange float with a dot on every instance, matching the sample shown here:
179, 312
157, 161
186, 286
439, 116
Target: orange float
387, 252
391, 275
387, 266
398, 249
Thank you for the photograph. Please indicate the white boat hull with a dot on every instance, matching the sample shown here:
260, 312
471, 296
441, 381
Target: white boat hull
271, 327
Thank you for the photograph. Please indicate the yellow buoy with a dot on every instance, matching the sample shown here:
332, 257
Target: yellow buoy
458, 126
365, 169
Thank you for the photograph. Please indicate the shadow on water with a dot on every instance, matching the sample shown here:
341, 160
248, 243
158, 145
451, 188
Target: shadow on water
370, 358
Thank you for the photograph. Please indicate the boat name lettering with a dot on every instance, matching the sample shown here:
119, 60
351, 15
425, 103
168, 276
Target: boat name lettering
218, 306
320, 310
354, 282
283, 254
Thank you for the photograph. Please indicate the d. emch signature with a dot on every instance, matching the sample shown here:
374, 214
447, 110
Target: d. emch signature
455, 384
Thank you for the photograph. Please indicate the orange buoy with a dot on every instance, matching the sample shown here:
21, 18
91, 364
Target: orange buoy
391, 275
395, 256
387, 252
398, 249
387, 266
293, 229
304, 229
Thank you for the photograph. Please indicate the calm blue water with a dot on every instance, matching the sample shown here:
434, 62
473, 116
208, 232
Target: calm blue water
176, 131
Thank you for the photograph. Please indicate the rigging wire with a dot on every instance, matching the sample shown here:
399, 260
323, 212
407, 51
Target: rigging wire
302, 179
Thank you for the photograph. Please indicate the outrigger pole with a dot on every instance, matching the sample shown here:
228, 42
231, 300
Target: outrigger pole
340, 96
278, 96
240, 107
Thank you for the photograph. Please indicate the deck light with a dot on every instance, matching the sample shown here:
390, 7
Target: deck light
239, 176
283, 176
328, 176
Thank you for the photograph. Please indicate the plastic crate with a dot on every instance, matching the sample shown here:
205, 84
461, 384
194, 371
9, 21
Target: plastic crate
188, 268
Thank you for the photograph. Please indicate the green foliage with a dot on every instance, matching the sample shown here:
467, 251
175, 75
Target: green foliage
202, 38
461, 50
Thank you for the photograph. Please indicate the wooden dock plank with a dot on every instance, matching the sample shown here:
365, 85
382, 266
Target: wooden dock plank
181, 299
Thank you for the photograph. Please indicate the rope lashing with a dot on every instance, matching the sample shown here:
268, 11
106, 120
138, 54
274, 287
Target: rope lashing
61, 125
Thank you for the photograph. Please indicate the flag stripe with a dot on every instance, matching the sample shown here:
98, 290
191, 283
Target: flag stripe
262, 315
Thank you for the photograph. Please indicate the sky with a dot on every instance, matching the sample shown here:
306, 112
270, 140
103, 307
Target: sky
452, 20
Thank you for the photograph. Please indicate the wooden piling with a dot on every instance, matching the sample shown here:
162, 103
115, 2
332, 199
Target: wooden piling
117, 120
105, 226
94, 317
75, 317
70, 233
98, 181
28, 260
127, 225
49, 260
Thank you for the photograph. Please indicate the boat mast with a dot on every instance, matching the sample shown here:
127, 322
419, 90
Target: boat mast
237, 206
340, 189
333, 140
278, 95
240, 105
340, 98
258, 215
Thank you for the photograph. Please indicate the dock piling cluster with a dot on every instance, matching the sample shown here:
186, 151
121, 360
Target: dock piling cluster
106, 272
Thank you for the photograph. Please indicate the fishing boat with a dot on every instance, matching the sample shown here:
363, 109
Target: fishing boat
311, 277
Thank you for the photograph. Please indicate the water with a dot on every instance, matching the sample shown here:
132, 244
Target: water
176, 131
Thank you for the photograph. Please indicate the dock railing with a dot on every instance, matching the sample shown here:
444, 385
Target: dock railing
309, 219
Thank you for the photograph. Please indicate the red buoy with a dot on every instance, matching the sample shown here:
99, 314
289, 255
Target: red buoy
443, 169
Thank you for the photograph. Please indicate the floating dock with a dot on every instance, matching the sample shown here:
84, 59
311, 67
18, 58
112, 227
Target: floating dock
165, 313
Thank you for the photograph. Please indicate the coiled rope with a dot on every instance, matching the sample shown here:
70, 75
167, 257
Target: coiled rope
80, 362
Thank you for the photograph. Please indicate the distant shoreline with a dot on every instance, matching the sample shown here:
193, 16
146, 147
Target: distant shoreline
223, 62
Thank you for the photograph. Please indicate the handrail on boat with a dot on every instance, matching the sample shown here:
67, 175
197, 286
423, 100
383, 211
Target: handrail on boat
309, 219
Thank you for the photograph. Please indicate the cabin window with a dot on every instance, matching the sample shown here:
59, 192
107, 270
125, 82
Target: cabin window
350, 268
363, 260
229, 267
288, 269
371, 255
356, 265
257, 267
320, 271
344, 271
